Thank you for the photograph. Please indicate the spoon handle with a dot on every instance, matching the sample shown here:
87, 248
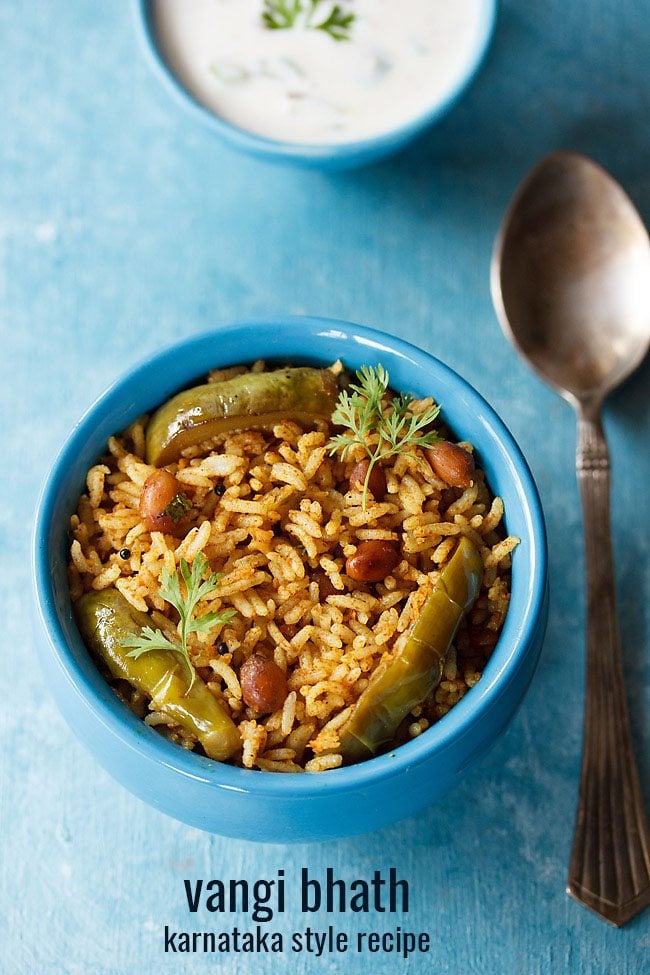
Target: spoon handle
610, 860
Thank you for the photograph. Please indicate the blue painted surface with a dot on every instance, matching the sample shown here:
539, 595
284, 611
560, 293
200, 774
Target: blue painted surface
122, 226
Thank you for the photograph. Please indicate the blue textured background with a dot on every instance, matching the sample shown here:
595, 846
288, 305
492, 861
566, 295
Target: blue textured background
122, 226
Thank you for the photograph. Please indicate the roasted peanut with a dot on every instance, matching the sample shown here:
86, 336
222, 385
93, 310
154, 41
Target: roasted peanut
451, 463
325, 585
263, 684
159, 491
376, 482
372, 561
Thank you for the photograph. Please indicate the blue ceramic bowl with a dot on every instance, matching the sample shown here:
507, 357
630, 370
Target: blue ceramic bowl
342, 156
263, 805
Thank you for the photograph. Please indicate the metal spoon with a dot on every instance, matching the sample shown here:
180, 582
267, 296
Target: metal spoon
571, 287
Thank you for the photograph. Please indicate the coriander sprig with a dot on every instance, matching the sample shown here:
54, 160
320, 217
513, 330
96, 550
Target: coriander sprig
362, 412
281, 14
337, 24
285, 14
196, 588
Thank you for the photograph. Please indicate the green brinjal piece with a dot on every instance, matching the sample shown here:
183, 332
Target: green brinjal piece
252, 401
400, 684
105, 620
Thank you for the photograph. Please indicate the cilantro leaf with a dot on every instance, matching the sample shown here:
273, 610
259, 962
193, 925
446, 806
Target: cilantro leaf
285, 14
196, 589
381, 431
177, 507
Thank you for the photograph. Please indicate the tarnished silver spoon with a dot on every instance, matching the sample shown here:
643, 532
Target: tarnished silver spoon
571, 287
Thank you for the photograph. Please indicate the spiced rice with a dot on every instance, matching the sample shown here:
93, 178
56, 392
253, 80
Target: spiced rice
286, 520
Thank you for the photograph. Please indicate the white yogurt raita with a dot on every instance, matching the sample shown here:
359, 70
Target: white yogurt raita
300, 85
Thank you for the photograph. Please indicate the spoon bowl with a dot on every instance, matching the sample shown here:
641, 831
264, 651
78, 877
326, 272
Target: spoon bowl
571, 277
571, 287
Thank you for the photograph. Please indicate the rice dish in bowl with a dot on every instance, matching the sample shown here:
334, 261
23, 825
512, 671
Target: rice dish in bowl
322, 552
221, 796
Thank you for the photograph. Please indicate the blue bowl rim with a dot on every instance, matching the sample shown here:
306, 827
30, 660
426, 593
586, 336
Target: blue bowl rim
131, 731
298, 151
